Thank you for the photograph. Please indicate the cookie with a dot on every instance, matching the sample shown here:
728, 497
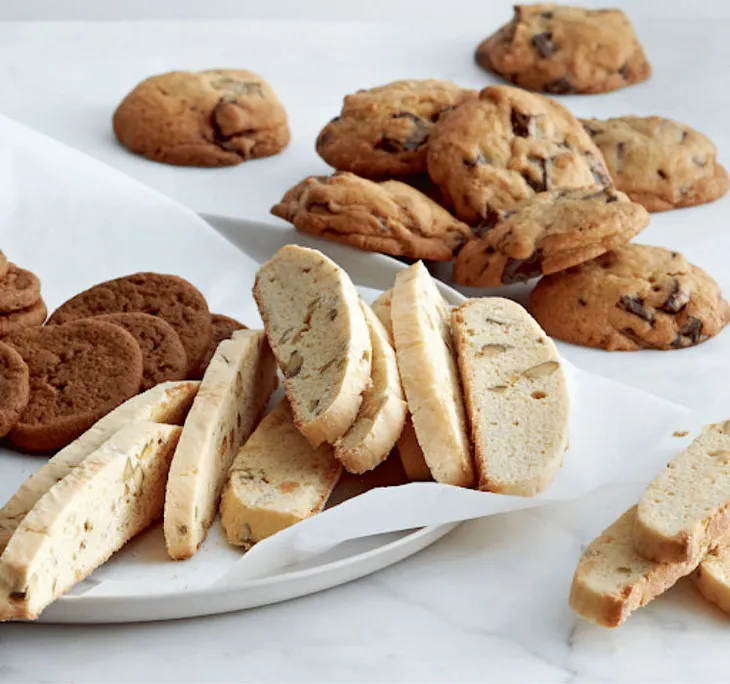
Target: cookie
636, 297
163, 355
4, 264
14, 389
388, 217
171, 298
78, 373
19, 289
506, 146
23, 318
558, 49
223, 329
547, 233
383, 132
659, 163
217, 117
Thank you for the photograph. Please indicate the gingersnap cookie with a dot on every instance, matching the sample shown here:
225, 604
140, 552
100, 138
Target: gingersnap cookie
388, 217
4, 264
636, 297
19, 289
170, 297
223, 329
659, 163
78, 373
14, 388
546, 233
383, 132
163, 355
217, 117
490, 153
23, 318
560, 49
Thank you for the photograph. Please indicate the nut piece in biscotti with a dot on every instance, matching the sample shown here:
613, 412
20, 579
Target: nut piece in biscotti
659, 163
516, 395
488, 154
217, 117
426, 358
549, 232
277, 479
170, 297
712, 577
116, 493
19, 289
559, 49
33, 316
383, 132
14, 387
685, 511
78, 373
388, 217
223, 329
317, 331
636, 297
612, 580
233, 396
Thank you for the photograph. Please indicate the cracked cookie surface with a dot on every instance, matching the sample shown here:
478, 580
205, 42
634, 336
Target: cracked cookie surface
490, 153
659, 163
217, 117
389, 217
546, 233
559, 49
636, 297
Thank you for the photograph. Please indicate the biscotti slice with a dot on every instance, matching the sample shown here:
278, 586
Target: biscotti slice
277, 479
685, 511
382, 308
712, 577
422, 332
516, 395
233, 396
317, 330
117, 492
612, 579
168, 402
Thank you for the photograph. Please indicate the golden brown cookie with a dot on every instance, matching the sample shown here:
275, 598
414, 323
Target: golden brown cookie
78, 373
23, 318
217, 117
19, 289
388, 217
546, 233
171, 298
659, 163
490, 153
14, 389
560, 49
383, 132
223, 329
636, 297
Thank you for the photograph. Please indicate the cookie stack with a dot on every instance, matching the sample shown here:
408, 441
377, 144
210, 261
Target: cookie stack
21, 303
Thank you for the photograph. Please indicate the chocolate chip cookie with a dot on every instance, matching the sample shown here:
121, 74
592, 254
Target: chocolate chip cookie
490, 153
223, 329
383, 132
388, 217
14, 388
636, 297
19, 289
559, 49
217, 117
658, 162
549, 232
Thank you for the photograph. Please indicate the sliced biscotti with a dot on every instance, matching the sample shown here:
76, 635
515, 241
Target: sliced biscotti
712, 577
612, 579
422, 331
317, 330
80, 522
383, 412
516, 395
382, 308
277, 479
233, 396
168, 402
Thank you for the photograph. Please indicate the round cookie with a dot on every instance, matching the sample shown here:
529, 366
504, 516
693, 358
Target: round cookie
561, 49
383, 132
4, 264
14, 388
163, 355
389, 217
170, 297
223, 329
217, 117
19, 289
490, 153
659, 163
23, 318
546, 233
78, 373
636, 297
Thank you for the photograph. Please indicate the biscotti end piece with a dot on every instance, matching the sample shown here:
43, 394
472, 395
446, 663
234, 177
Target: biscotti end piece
382, 308
712, 578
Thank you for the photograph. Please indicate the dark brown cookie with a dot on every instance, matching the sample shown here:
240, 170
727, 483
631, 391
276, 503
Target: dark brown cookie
223, 329
19, 289
13, 387
78, 373
23, 318
167, 296
163, 355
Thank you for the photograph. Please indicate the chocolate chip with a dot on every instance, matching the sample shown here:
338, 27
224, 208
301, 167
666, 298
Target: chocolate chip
692, 330
477, 161
522, 270
540, 184
631, 335
635, 305
661, 174
677, 299
611, 195
492, 218
543, 43
520, 123
599, 174
591, 128
623, 71
582, 301
415, 139
560, 86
